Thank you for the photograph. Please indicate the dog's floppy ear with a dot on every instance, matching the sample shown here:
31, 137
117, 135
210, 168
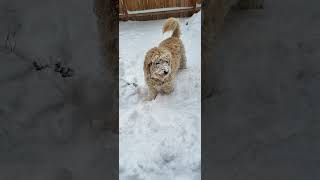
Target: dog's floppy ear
150, 56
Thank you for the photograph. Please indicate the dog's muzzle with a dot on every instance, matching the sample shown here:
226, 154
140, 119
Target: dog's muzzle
166, 69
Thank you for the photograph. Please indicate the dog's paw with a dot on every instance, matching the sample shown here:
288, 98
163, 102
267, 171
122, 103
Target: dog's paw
149, 98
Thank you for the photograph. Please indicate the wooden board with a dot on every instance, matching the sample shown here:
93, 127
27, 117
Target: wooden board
159, 15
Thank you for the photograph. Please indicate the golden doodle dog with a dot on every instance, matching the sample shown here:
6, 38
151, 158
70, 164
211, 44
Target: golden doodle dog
162, 63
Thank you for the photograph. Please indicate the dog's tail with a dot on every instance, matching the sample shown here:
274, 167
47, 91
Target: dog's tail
172, 24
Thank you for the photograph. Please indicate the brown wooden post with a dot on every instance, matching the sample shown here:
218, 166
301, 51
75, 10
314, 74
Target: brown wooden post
107, 21
194, 4
251, 4
125, 9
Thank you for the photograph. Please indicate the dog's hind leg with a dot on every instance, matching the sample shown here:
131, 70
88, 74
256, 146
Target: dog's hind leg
183, 62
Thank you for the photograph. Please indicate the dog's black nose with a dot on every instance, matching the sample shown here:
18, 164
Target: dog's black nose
165, 72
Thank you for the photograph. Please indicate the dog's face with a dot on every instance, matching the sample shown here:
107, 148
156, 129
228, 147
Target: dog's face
160, 67
157, 64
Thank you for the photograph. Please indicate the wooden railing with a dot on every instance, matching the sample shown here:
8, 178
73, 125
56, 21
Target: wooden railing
157, 9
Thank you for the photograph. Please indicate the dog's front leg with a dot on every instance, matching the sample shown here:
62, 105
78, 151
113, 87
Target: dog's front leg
152, 94
167, 88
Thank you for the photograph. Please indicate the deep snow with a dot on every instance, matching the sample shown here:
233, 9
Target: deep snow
160, 139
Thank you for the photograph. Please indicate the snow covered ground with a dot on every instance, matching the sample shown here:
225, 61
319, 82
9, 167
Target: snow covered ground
161, 139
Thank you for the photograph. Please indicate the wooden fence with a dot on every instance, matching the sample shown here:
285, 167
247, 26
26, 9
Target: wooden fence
157, 9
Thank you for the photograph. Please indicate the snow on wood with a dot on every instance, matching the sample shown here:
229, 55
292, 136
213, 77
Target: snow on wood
160, 10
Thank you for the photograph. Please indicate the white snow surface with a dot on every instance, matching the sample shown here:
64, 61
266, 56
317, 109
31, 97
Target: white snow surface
160, 139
